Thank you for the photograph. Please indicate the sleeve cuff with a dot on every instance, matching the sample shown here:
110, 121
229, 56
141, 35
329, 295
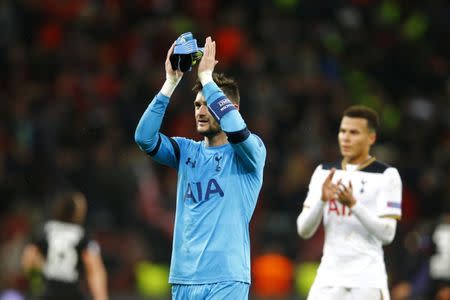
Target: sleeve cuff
209, 90
162, 97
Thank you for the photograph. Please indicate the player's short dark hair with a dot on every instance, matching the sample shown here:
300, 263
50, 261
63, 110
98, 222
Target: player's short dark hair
64, 207
228, 85
364, 112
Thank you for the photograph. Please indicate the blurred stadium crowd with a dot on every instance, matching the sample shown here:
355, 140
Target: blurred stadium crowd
77, 75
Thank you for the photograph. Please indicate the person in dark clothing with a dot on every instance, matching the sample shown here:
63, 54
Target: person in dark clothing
65, 254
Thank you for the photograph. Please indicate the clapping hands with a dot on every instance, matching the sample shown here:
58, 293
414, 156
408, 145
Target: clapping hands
338, 191
208, 61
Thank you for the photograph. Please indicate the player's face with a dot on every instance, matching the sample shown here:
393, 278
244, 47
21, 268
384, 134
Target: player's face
355, 139
205, 122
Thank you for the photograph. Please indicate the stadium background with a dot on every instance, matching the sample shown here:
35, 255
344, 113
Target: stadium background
77, 75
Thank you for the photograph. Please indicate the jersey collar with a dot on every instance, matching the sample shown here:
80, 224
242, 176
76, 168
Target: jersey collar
361, 166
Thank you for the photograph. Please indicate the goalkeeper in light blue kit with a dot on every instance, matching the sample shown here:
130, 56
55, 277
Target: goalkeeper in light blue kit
219, 180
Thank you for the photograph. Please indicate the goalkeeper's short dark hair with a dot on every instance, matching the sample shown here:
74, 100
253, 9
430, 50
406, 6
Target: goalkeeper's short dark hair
228, 85
364, 112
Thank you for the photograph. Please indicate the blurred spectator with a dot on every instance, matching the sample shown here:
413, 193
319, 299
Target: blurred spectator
425, 263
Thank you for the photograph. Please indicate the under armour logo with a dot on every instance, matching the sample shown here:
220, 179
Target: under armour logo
190, 162
363, 182
218, 158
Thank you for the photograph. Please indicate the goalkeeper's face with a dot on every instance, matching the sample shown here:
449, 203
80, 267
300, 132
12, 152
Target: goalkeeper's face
204, 121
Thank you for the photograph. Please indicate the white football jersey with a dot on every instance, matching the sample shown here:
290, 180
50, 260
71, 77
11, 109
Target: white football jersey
352, 257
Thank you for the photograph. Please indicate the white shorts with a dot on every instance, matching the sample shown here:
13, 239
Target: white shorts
344, 293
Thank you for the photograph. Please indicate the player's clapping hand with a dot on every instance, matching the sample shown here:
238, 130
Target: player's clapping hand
329, 189
208, 61
173, 76
345, 194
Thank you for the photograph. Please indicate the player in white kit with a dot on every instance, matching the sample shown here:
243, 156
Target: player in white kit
359, 199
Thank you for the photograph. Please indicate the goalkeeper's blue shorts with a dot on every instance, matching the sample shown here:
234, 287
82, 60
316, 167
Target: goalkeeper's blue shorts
215, 291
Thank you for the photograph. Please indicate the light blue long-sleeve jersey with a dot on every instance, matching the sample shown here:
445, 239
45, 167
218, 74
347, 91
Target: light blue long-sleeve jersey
217, 192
